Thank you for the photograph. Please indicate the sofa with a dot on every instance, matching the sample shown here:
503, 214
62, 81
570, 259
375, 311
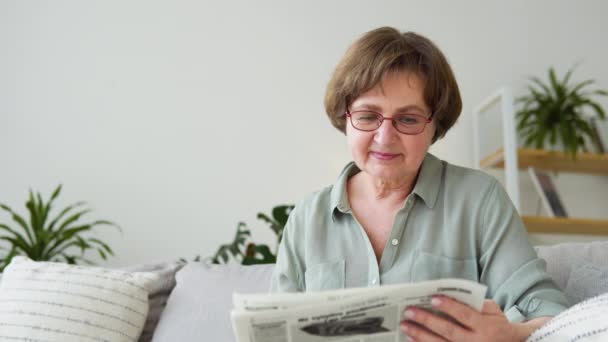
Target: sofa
192, 301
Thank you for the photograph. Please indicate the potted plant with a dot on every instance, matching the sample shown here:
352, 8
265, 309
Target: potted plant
247, 252
62, 239
556, 113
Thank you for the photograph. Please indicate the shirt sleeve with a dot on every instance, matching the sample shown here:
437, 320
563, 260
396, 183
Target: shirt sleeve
516, 278
288, 272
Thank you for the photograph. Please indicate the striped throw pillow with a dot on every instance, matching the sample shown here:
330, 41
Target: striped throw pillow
585, 322
48, 302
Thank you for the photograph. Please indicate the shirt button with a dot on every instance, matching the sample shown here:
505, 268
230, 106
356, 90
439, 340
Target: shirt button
534, 303
395, 242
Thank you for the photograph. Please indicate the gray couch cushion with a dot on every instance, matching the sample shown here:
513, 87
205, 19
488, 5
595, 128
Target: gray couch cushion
159, 292
587, 281
580, 269
199, 307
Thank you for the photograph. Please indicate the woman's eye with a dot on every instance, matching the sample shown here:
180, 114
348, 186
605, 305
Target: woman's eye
366, 117
409, 120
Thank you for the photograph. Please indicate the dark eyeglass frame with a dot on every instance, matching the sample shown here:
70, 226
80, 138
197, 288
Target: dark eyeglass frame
348, 113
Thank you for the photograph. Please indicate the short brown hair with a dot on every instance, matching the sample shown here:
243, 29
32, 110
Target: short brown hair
386, 50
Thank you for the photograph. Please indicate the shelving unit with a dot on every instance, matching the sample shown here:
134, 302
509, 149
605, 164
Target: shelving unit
591, 163
511, 159
537, 224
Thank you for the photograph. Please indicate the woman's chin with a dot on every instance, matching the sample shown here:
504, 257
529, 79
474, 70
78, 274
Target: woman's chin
385, 172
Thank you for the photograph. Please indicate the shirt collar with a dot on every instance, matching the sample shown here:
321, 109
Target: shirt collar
429, 180
339, 195
427, 185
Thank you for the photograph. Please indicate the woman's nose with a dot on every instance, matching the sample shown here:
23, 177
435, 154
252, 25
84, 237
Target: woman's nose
386, 132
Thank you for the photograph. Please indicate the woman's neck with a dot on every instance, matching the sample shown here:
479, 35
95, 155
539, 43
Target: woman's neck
391, 191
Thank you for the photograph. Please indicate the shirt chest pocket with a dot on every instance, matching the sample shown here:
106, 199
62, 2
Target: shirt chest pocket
429, 266
325, 276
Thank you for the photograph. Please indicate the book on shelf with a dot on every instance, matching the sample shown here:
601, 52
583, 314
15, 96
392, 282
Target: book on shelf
546, 189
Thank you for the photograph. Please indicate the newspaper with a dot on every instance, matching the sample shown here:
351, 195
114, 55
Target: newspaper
353, 315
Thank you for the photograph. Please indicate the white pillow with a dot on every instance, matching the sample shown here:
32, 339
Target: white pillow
43, 301
584, 322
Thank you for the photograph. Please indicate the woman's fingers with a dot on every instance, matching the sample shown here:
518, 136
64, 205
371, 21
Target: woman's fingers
416, 333
440, 326
462, 313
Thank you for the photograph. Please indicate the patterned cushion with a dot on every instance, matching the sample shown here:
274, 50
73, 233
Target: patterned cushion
53, 302
584, 322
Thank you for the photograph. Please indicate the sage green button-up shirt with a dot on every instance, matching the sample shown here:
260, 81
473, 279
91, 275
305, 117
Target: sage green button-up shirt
456, 223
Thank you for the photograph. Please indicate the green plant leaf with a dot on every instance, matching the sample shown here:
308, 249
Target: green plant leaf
580, 86
63, 213
64, 237
553, 135
21, 222
40, 207
72, 219
70, 259
8, 258
281, 214
258, 254
273, 224
106, 223
103, 245
55, 193
557, 87
102, 254
15, 234
597, 108
279, 218
58, 250
600, 92
569, 74
222, 255
43, 209
539, 83
18, 244
34, 214
65, 233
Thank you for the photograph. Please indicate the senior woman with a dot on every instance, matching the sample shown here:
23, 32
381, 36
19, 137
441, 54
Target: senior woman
398, 214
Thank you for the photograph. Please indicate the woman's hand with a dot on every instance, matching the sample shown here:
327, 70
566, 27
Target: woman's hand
490, 324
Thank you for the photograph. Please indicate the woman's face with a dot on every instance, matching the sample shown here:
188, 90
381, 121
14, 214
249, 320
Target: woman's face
386, 153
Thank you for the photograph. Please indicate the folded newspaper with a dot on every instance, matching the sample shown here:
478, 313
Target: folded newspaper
369, 314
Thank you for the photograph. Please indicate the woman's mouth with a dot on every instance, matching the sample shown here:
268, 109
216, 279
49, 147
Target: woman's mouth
384, 156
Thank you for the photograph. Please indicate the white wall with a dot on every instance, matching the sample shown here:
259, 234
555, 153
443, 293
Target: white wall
177, 119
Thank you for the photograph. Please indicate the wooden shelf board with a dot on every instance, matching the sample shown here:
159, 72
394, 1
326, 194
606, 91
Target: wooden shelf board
593, 163
538, 224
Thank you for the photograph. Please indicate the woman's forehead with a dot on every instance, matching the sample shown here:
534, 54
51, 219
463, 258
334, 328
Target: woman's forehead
397, 91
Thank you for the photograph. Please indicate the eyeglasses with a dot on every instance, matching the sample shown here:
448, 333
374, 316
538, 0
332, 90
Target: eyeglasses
368, 121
